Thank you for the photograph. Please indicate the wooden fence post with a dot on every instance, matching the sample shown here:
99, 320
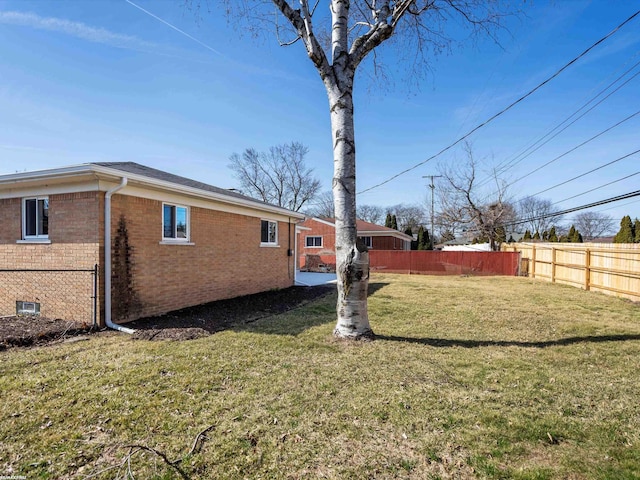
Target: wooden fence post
553, 264
533, 260
587, 269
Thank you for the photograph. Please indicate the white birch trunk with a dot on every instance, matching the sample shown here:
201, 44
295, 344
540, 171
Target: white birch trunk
352, 257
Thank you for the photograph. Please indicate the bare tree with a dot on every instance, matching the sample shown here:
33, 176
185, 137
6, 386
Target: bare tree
537, 214
464, 206
370, 213
593, 224
322, 206
279, 176
337, 42
408, 216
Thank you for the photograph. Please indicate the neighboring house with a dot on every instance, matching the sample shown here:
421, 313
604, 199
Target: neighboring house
170, 243
317, 237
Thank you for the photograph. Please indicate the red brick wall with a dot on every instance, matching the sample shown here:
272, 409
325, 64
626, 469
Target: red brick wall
328, 234
148, 278
74, 235
225, 261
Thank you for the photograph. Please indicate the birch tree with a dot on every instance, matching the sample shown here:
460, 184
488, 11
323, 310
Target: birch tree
337, 40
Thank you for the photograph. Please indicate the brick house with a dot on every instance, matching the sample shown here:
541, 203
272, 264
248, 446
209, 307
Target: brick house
317, 240
171, 242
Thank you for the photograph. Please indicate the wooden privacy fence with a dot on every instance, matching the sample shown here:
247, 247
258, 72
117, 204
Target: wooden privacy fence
609, 268
431, 262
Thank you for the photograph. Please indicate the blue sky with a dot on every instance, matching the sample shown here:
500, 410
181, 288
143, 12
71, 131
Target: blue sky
85, 81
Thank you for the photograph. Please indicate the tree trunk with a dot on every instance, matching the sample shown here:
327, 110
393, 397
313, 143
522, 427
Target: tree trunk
352, 257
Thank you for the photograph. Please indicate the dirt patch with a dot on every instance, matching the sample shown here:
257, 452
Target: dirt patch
25, 331
202, 320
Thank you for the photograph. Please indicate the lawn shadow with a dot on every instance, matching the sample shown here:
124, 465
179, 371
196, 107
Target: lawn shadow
315, 313
446, 342
259, 313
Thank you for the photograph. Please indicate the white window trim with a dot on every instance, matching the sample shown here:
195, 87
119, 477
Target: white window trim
269, 244
313, 246
176, 240
370, 237
32, 238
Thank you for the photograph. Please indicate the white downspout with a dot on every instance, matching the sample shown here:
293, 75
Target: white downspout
107, 259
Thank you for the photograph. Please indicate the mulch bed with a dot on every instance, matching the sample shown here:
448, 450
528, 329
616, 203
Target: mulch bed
185, 324
25, 331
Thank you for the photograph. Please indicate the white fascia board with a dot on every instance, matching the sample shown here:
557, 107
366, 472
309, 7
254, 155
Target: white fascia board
319, 220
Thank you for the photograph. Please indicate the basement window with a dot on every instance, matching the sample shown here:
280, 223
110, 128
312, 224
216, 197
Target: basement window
27, 308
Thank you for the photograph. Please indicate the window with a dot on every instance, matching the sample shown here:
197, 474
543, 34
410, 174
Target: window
268, 232
366, 241
35, 218
314, 241
175, 222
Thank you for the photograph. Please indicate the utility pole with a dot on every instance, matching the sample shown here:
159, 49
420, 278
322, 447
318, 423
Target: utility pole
432, 187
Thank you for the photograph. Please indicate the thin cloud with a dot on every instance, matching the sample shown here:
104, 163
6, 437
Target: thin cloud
74, 29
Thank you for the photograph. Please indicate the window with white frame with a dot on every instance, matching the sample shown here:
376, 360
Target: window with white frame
366, 241
175, 222
35, 218
314, 242
268, 232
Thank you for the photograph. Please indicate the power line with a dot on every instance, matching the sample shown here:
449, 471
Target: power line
597, 188
507, 108
575, 148
530, 149
585, 174
618, 198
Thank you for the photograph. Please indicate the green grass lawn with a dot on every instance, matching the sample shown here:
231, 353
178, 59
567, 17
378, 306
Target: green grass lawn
490, 377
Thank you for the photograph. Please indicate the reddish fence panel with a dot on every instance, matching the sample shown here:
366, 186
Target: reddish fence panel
445, 263
427, 262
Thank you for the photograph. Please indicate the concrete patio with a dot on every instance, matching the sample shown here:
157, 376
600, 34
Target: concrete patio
310, 279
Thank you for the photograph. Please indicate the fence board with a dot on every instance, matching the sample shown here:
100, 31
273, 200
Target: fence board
613, 269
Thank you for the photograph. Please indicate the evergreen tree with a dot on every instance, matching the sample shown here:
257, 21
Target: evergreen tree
636, 231
511, 239
427, 240
545, 236
421, 238
625, 234
387, 221
394, 222
574, 235
553, 236
536, 236
527, 235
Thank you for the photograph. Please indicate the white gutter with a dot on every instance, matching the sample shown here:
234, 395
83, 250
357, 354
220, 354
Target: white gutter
107, 259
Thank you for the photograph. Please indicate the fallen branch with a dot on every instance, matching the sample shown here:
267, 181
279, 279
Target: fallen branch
159, 454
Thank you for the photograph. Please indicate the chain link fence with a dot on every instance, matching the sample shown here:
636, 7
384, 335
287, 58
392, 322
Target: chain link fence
67, 294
